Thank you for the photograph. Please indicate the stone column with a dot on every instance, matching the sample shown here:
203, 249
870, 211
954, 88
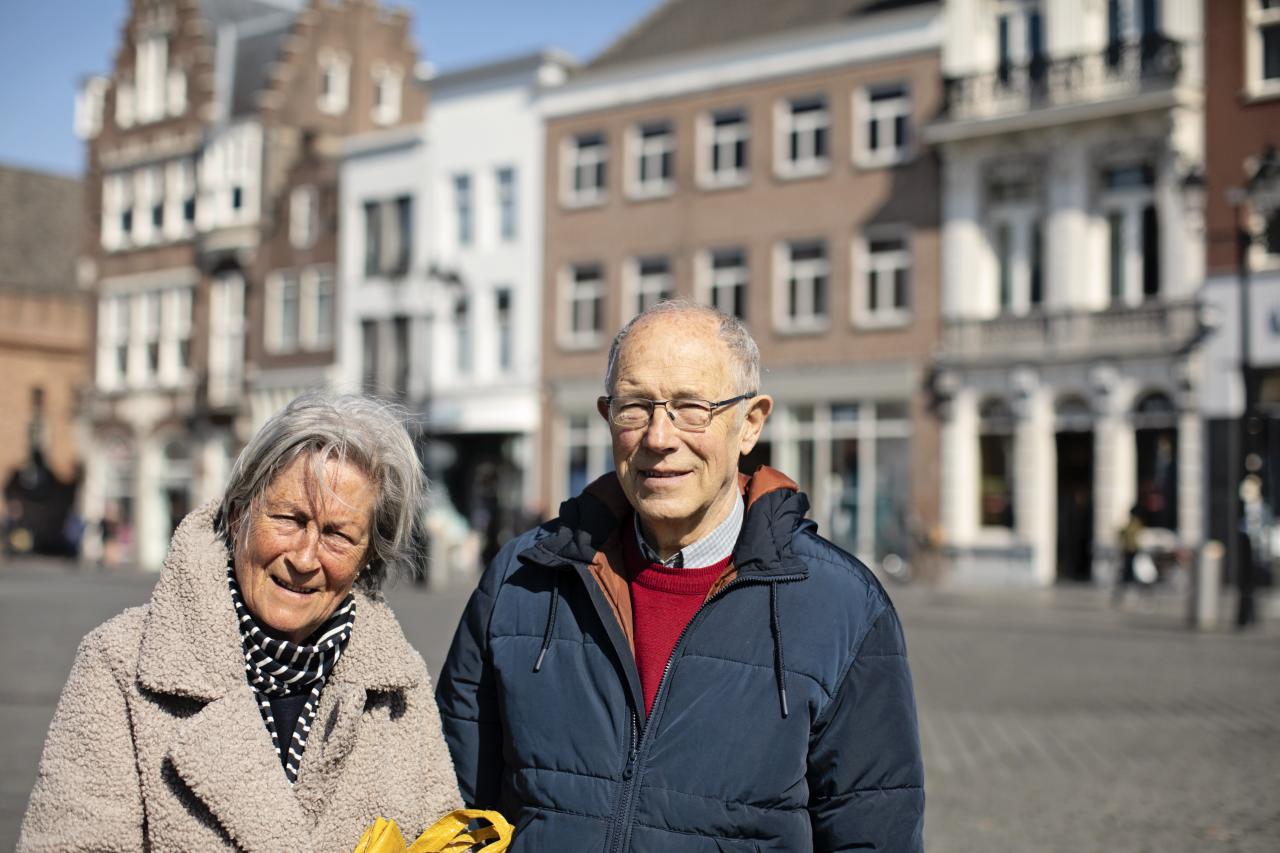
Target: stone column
1066, 228
1114, 471
958, 472
1035, 495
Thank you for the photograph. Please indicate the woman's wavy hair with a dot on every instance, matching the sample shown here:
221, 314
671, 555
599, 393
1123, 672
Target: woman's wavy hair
366, 433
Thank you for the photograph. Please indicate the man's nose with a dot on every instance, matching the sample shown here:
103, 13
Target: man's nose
661, 431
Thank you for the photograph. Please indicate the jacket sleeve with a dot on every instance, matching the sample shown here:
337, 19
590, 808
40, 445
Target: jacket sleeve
467, 696
866, 776
87, 794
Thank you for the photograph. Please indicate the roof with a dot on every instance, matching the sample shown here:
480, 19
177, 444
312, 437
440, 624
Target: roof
527, 63
256, 49
219, 12
40, 216
682, 26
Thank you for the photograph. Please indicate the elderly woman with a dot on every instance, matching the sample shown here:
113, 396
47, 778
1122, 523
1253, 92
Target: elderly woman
265, 699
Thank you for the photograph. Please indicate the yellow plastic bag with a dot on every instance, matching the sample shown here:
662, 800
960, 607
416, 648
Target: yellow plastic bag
447, 835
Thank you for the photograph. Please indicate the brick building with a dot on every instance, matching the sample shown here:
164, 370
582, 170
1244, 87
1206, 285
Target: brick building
1242, 200
769, 164
212, 208
44, 341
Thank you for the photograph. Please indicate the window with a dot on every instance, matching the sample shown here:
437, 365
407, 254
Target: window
401, 335
113, 341
653, 164
726, 136
316, 319
117, 211
1132, 234
884, 136
1262, 47
462, 334
388, 236
176, 360
507, 213
803, 128
150, 307
1020, 41
650, 283
462, 210
1016, 236
386, 94
585, 158
180, 199
885, 295
583, 305
284, 302
502, 312
300, 310
335, 71
151, 77
368, 357
303, 217
146, 225
805, 274
1155, 421
724, 281
995, 451
587, 451
226, 338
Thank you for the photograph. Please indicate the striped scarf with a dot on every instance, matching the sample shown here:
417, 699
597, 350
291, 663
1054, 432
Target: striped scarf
281, 668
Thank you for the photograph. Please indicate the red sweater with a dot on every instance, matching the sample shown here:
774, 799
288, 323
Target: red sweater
663, 600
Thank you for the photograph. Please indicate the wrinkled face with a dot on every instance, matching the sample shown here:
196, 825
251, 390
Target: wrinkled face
304, 545
682, 484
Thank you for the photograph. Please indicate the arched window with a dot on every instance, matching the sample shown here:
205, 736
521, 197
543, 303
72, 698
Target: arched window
995, 450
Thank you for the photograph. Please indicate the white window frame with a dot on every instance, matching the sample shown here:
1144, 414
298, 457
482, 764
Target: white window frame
1021, 219
317, 284
1129, 203
645, 290
504, 329
149, 321
175, 329
573, 293
463, 189
179, 187
151, 77
711, 281
117, 197
387, 94
113, 333
807, 124
274, 311
876, 270
883, 114
336, 67
304, 216
650, 144
724, 139
593, 437
1256, 19
572, 160
807, 319
148, 193
226, 338
505, 181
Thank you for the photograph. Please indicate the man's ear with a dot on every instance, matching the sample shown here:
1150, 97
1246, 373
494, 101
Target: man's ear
602, 406
758, 409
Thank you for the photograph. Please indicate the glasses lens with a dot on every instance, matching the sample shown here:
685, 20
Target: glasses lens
691, 414
629, 411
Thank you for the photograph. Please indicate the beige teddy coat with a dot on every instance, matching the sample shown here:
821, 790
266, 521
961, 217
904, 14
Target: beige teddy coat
158, 744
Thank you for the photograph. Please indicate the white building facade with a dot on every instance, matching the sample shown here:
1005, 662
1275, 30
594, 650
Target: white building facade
1067, 379
441, 247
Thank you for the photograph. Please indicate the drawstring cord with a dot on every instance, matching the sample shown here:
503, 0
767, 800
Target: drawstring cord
777, 650
551, 624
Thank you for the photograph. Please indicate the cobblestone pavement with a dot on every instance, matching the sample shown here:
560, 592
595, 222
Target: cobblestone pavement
1050, 722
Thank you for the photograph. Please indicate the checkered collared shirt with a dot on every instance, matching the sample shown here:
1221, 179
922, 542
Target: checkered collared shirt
708, 550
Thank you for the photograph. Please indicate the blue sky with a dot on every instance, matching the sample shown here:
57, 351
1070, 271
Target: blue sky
47, 47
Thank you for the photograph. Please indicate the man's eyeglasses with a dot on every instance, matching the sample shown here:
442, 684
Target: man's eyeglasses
687, 414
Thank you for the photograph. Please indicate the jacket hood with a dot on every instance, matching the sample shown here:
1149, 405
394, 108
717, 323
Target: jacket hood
190, 643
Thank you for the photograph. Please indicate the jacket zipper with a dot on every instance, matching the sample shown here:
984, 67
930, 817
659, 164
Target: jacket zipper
620, 831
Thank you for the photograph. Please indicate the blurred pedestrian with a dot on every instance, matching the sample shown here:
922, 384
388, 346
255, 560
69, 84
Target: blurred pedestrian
265, 698
678, 662
1129, 539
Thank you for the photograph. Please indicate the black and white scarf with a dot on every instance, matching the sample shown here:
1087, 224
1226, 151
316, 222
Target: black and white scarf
280, 668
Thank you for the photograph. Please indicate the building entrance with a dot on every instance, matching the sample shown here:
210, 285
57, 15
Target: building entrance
1075, 506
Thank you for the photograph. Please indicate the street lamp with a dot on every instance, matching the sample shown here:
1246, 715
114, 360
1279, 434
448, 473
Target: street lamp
1260, 192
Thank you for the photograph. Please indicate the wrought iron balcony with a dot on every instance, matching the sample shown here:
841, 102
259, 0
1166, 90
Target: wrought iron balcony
1124, 331
1122, 70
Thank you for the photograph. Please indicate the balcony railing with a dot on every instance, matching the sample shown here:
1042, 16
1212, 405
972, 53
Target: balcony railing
1121, 70
1152, 328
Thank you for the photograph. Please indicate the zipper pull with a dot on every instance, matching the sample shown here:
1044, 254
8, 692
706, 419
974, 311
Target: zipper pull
630, 767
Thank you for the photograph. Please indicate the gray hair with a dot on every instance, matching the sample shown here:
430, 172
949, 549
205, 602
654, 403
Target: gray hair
361, 431
743, 351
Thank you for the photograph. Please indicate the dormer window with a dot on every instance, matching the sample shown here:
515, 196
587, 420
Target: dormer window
151, 76
386, 94
335, 72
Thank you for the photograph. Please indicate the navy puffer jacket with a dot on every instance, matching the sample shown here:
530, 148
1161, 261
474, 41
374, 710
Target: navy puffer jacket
785, 720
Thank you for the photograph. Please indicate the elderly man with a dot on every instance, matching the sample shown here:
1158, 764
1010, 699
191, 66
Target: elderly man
679, 662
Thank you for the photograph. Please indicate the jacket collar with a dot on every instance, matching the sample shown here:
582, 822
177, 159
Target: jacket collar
191, 645
590, 524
